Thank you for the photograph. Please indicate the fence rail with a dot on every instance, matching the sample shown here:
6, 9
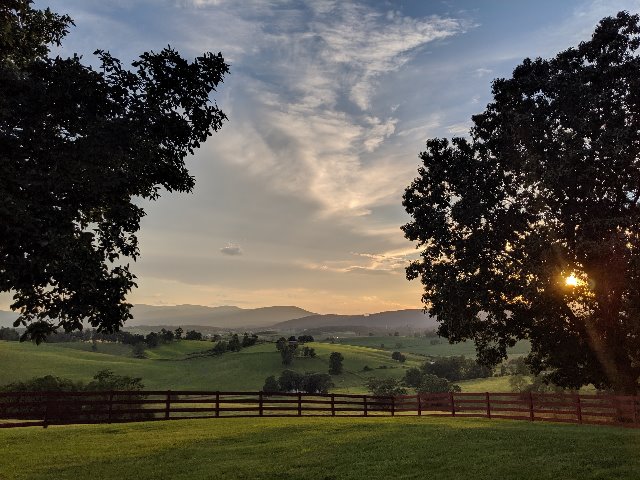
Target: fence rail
19, 409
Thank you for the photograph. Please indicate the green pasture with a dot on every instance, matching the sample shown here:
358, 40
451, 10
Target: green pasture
423, 346
169, 366
321, 448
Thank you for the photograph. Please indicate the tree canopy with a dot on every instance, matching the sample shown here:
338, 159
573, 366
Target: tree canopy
530, 228
78, 147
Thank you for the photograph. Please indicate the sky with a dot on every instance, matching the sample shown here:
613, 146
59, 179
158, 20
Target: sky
298, 199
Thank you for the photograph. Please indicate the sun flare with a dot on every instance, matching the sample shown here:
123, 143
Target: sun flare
571, 280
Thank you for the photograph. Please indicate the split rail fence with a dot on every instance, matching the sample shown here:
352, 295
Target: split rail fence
19, 409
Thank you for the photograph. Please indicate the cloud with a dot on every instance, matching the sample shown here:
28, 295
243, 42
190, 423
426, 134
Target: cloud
392, 262
231, 250
458, 129
482, 72
310, 124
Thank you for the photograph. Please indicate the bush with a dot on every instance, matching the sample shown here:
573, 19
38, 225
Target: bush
103, 381
434, 384
385, 387
399, 357
271, 384
412, 377
456, 368
139, 350
10, 334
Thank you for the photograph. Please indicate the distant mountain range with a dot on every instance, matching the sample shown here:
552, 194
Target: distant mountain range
288, 318
399, 319
223, 317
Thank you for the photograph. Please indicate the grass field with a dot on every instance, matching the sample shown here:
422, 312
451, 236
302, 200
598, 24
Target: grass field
319, 448
169, 368
423, 346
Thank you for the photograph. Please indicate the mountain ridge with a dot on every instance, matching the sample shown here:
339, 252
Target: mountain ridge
286, 317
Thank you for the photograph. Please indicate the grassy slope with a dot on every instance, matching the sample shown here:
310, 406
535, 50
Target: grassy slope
422, 346
167, 367
321, 448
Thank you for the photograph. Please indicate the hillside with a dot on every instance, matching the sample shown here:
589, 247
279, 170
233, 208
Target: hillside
224, 317
412, 319
199, 315
168, 366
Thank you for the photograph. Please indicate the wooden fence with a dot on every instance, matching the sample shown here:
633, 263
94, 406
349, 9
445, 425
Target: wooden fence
18, 409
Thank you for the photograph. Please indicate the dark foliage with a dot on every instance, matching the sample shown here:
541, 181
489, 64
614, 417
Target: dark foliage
291, 381
249, 340
456, 368
547, 186
335, 363
385, 387
10, 334
399, 357
77, 145
34, 405
193, 335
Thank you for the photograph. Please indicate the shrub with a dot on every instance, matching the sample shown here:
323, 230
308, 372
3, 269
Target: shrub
385, 387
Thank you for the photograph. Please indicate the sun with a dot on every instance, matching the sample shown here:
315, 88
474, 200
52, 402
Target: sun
571, 280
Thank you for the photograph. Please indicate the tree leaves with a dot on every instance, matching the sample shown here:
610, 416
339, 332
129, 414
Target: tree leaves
546, 186
77, 146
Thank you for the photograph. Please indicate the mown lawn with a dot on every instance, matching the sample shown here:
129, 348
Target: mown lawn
321, 448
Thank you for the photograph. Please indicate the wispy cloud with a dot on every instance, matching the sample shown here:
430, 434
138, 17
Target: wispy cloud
387, 263
315, 127
231, 250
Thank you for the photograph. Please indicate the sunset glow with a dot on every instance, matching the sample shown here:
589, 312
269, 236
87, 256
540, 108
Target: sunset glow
571, 280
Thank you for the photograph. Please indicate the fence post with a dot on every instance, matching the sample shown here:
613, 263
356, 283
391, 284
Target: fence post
167, 408
333, 405
578, 408
260, 407
453, 404
217, 404
419, 405
531, 417
110, 405
45, 422
364, 404
299, 404
393, 406
488, 404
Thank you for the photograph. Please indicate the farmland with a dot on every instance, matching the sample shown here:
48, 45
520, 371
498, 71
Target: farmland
423, 345
319, 448
170, 367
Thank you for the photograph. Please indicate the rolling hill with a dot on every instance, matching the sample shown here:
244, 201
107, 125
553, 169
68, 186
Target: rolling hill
172, 365
223, 317
285, 318
413, 319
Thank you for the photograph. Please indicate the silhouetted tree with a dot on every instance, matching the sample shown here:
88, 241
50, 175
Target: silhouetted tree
193, 335
287, 353
335, 363
234, 343
177, 333
152, 339
77, 146
546, 188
